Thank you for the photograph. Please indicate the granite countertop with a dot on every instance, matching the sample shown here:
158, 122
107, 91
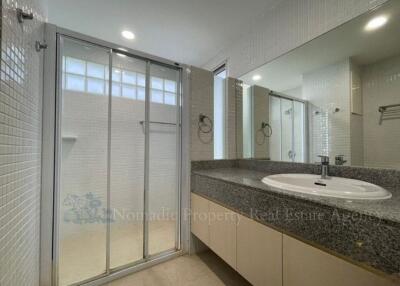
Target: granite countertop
388, 210
366, 233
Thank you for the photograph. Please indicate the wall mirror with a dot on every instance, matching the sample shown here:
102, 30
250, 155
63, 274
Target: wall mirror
338, 95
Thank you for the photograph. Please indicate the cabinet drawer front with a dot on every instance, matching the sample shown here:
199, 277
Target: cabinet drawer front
259, 253
223, 233
304, 265
200, 218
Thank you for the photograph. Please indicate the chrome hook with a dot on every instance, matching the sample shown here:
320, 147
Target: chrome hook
21, 15
39, 46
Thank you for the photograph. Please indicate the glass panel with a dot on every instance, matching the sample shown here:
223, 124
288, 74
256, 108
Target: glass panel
219, 117
141, 93
95, 86
170, 86
116, 75
156, 96
157, 83
83, 171
129, 91
74, 65
287, 129
170, 98
127, 171
275, 122
75, 82
141, 80
95, 70
298, 131
163, 189
129, 77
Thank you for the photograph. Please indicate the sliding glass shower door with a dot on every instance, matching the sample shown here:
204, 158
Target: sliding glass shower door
287, 120
118, 161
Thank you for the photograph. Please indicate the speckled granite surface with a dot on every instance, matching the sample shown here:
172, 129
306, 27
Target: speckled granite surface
365, 232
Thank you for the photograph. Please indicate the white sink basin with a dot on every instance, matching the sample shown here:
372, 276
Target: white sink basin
331, 187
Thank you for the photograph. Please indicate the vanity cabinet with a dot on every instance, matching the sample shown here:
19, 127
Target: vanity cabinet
259, 253
304, 265
266, 257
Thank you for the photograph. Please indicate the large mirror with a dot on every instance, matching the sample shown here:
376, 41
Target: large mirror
337, 96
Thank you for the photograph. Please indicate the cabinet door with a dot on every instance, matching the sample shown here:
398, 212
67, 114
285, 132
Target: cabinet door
259, 253
199, 218
304, 265
223, 233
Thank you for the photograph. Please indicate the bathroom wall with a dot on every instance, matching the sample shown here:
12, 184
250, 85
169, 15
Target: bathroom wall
286, 26
201, 100
380, 86
20, 143
326, 89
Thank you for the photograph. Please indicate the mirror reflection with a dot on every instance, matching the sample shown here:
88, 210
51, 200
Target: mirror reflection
336, 96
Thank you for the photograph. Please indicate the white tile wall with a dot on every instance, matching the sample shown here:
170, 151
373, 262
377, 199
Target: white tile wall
284, 27
380, 86
326, 89
20, 144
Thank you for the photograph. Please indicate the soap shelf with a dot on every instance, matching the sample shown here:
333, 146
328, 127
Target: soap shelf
69, 138
387, 112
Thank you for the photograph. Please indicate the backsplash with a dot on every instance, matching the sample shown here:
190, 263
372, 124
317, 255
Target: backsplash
20, 143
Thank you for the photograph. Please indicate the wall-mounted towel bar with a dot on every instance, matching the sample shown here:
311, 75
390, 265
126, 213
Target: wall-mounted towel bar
158, 122
389, 112
386, 107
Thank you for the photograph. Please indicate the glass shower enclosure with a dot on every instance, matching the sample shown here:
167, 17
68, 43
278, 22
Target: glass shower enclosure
118, 135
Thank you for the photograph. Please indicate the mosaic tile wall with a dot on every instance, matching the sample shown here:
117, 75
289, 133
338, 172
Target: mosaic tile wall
20, 143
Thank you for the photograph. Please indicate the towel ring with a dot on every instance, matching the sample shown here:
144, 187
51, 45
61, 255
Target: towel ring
205, 124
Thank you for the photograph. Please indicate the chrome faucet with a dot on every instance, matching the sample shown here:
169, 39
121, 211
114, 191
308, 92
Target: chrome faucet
339, 160
325, 166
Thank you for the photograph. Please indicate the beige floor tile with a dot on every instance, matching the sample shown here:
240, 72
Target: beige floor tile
205, 269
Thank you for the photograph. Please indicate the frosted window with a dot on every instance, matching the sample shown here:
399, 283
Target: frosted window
116, 89
156, 96
157, 83
75, 66
170, 98
95, 70
95, 86
116, 75
129, 91
129, 77
75, 82
141, 80
170, 86
141, 93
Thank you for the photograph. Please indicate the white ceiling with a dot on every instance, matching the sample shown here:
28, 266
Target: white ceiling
347, 41
186, 31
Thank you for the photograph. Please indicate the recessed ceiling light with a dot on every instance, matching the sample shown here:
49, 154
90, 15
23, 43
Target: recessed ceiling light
121, 55
256, 77
376, 23
128, 35
122, 49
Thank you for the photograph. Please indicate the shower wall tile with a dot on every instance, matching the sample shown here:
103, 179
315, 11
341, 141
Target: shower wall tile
283, 27
20, 143
380, 86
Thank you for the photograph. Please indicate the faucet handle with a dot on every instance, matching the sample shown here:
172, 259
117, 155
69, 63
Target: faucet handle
324, 159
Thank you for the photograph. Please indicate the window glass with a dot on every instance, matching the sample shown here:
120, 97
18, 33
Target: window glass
116, 75
75, 66
157, 83
129, 91
141, 80
141, 93
95, 86
129, 77
95, 70
156, 96
170, 85
170, 98
75, 82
